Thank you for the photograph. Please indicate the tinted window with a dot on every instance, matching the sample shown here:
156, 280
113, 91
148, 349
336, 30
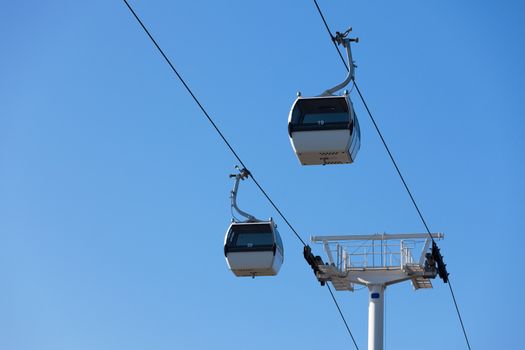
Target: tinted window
251, 236
252, 240
321, 111
325, 118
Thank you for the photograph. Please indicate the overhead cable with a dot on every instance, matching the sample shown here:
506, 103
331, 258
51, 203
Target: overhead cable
342, 316
441, 266
230, 147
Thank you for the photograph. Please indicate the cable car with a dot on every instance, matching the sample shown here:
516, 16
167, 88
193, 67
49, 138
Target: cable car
253, 248
324, 129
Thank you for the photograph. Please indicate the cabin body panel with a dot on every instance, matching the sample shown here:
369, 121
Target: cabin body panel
324, 130
264, 263
322, 147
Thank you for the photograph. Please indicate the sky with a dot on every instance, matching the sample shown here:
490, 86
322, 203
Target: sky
114, 188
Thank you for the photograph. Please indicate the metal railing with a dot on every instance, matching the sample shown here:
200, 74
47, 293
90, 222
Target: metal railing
371, 254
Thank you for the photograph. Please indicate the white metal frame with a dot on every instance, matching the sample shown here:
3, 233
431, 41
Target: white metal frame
349, 264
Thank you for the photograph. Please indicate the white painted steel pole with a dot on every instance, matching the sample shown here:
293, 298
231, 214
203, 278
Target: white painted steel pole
375, 316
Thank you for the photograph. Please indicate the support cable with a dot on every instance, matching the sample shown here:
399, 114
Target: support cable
441, 266
459, 314
332, 37
342, 316
374, 123
230, 147
393, 161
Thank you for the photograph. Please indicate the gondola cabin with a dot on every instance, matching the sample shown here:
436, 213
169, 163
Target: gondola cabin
324, 130
253, 248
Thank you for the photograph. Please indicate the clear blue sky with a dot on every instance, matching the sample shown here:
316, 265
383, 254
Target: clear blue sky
114, 188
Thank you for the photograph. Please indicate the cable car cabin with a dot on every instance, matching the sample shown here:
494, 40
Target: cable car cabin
253, 248
324, 130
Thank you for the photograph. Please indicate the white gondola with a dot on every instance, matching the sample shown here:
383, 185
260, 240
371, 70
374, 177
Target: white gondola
252, 247
324, 129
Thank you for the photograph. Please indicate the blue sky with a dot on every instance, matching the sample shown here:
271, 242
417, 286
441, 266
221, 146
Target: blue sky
114, 188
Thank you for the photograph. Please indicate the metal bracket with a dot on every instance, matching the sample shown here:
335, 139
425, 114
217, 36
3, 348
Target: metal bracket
315, 262
243, 174
341, 39
441, 266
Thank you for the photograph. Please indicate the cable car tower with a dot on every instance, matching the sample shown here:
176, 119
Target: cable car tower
376, 261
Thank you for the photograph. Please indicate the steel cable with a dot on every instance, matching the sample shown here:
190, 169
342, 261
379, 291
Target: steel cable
394, 163
230, 147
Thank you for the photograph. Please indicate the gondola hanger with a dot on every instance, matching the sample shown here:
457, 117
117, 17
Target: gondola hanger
341, 39
252, 247
324, 129
240, 176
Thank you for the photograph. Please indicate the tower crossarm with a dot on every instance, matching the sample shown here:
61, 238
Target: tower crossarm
377, 259
375, 237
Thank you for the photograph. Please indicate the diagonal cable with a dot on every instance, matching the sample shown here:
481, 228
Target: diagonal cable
374, 122
342, 316
459, 314
393, 160
395, 165
230, 147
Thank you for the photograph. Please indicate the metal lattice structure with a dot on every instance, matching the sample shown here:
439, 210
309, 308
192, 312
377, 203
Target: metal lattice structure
375, 261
